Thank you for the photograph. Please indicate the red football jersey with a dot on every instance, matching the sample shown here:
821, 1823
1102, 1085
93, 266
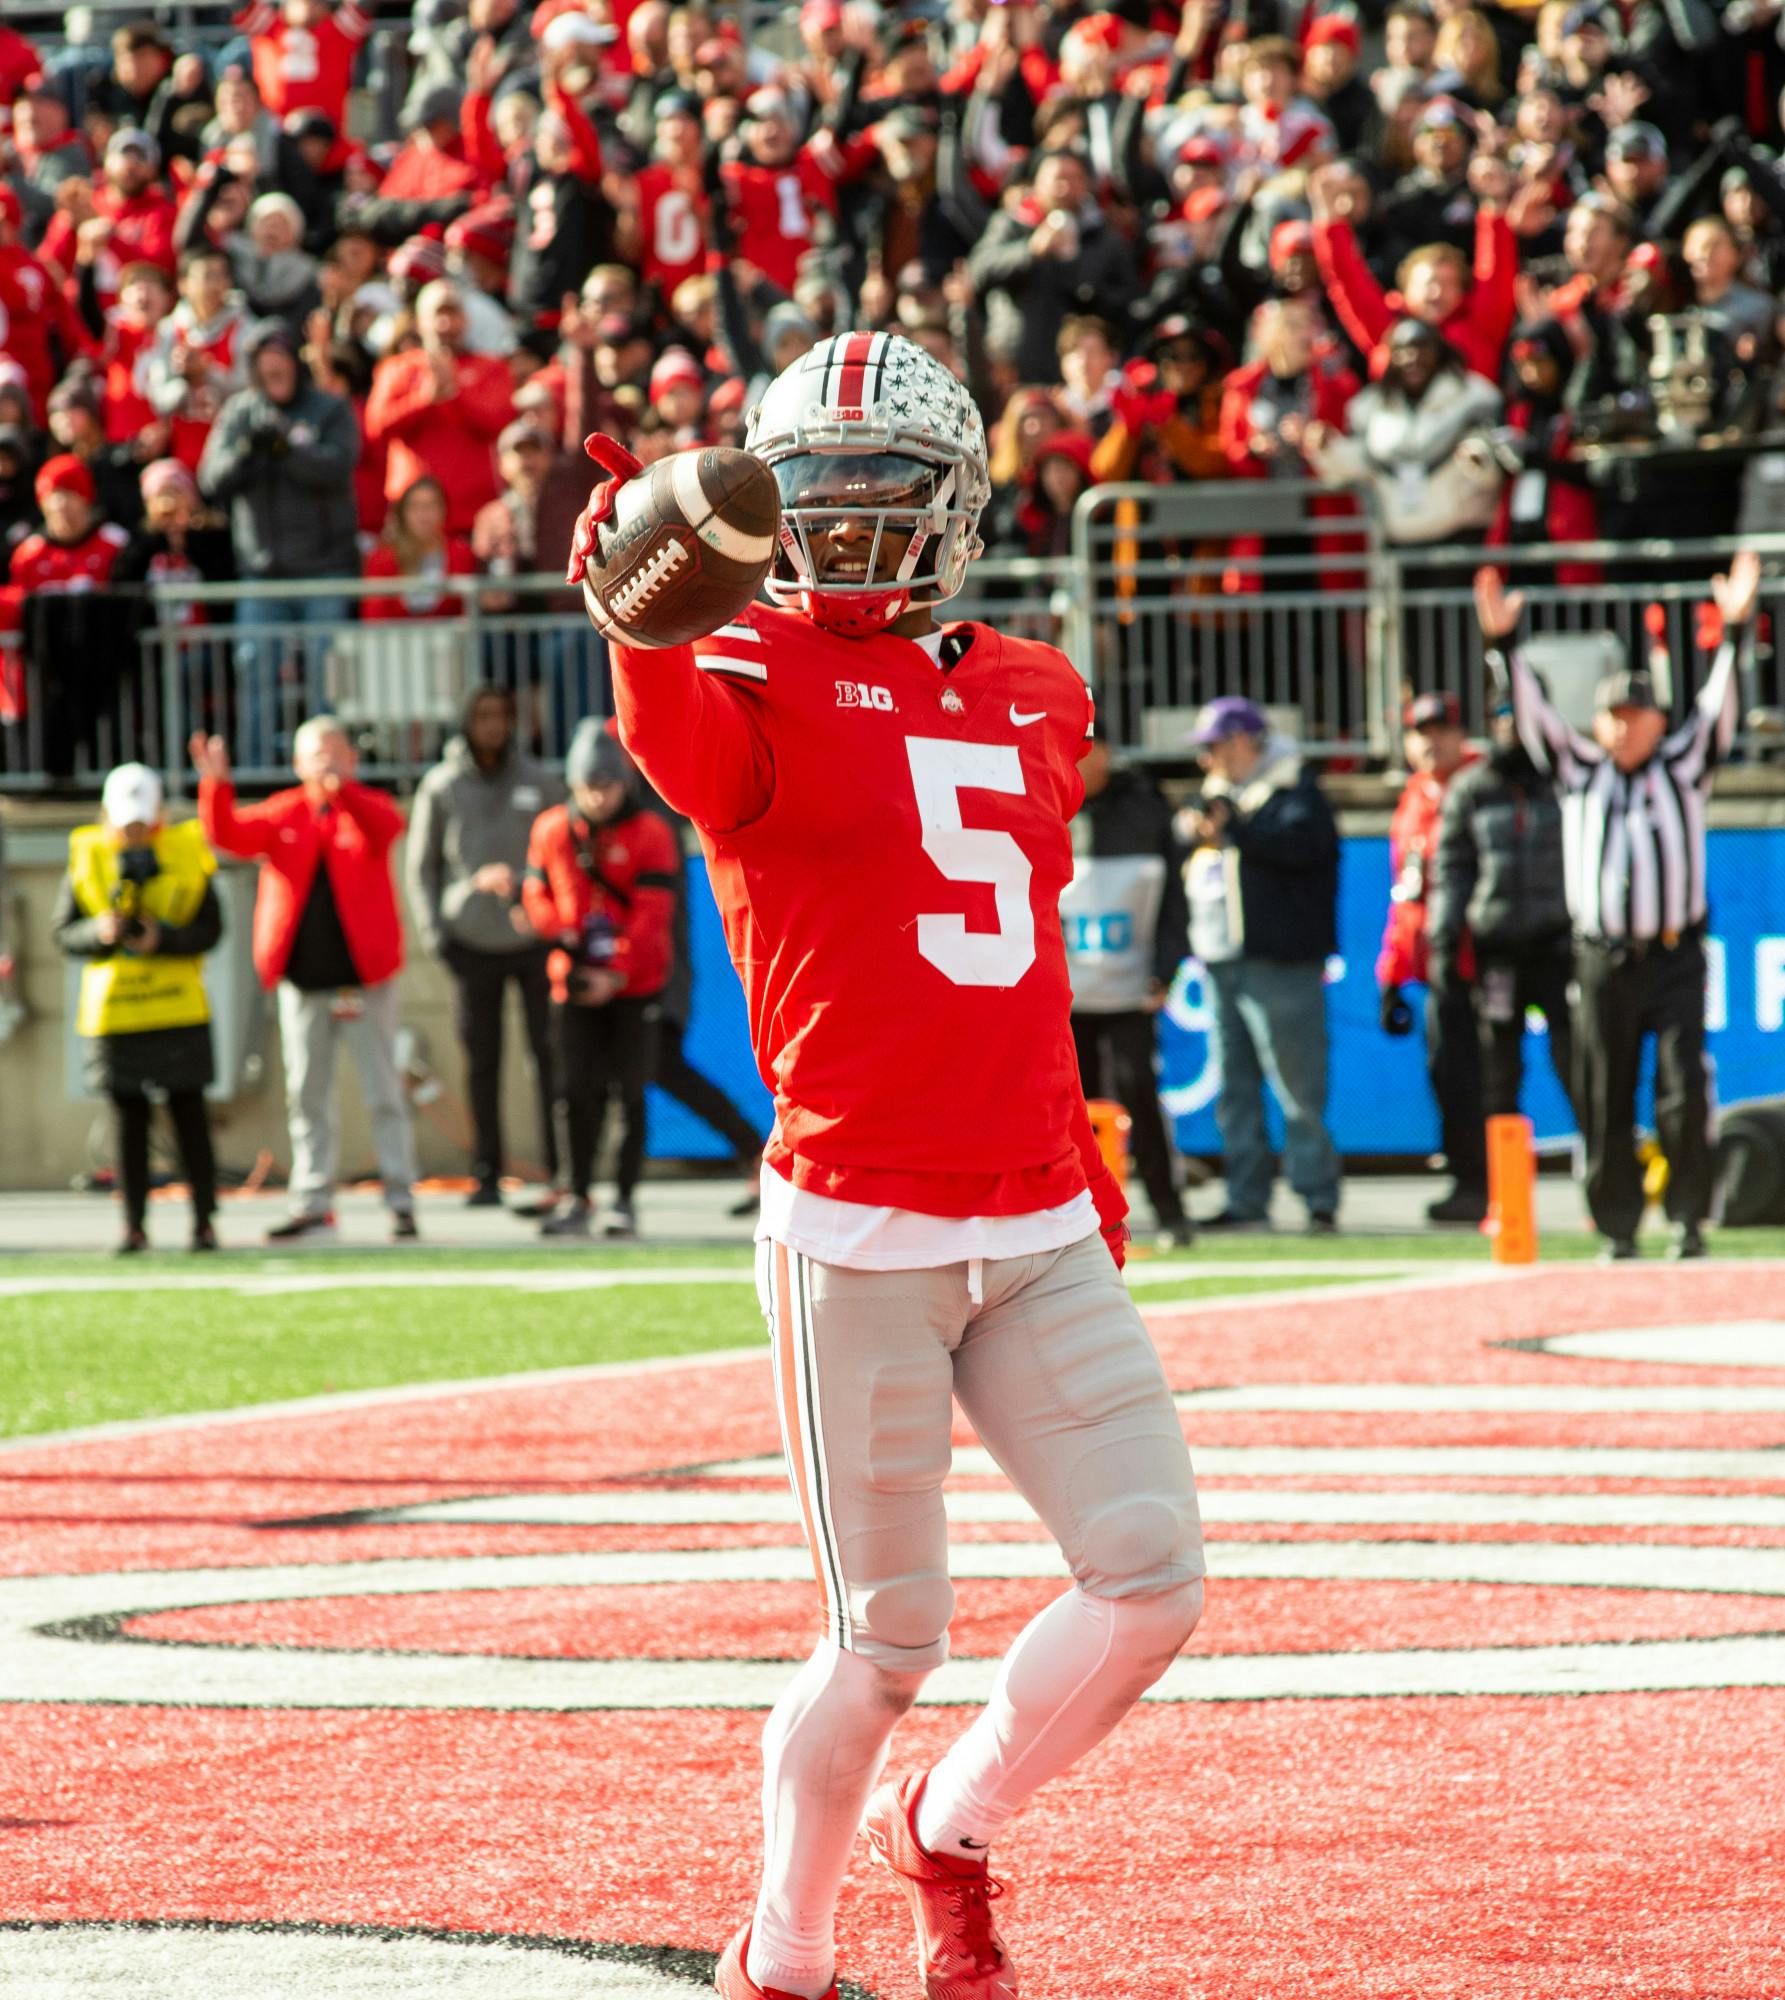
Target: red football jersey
773, 211
304, 69
887, 839
32, 309
672, 222
62, 568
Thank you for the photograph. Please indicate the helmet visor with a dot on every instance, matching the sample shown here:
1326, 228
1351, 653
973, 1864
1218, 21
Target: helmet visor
875, 480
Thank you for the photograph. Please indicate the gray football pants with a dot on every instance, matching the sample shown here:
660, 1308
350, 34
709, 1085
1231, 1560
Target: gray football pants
1055, 1372
309, 1033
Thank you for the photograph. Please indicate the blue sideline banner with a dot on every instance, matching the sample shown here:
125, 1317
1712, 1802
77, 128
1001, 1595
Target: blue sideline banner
1378, 1100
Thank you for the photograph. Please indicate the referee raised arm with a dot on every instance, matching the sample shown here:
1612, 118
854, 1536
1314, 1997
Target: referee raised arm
1633, 823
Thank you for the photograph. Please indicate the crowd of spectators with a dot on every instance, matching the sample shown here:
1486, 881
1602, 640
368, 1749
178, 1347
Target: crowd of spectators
1513, 265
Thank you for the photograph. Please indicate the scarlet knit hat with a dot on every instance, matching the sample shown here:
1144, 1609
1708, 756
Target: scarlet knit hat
1339, 28
64, 474
420, 258
484, 231
10, 208
674, 367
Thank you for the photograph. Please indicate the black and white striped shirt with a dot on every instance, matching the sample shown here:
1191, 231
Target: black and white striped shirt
1633, 843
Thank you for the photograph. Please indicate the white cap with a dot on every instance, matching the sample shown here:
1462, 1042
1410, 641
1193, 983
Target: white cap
574, 30
132, 796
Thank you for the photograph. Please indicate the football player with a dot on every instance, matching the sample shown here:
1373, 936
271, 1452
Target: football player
883, 801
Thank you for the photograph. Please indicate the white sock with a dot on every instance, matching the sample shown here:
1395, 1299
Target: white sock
823, 1748
1074, 1672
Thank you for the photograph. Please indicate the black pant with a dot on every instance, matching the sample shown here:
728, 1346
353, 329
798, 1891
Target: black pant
1625, 994
678, 1077
605, 1051
193, 1129
1117, 1058
480, 982
1453, 1067
1506, 985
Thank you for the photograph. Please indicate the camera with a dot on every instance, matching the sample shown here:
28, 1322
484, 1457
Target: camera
137, 867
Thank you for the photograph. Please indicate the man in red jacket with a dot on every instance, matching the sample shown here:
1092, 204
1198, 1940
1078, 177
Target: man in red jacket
602, 876
441, 410
1437, 749
327, 936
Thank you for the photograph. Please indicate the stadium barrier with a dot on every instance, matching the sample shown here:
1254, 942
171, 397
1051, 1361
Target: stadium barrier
1170, 595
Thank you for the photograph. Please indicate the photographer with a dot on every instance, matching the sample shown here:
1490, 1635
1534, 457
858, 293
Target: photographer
139, 907
281, 458
602, 879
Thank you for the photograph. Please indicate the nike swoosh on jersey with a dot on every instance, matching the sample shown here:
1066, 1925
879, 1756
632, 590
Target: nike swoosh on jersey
1021, 720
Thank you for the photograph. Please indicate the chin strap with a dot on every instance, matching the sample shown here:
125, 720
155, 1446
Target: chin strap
613, 458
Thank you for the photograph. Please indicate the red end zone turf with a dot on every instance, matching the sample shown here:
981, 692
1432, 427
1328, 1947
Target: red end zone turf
1363, 1845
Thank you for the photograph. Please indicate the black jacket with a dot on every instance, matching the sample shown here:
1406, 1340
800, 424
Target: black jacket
1130, 816
1499, 866
1289, 872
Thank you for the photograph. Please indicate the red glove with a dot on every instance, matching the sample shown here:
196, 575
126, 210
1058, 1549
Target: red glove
612, 456
1116, 1239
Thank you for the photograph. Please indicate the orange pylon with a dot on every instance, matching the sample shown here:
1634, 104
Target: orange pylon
1512, 1190
1110, 1127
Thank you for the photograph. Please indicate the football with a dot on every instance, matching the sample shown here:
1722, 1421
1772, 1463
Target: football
686, 548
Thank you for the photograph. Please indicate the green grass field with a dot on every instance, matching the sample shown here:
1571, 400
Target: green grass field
168, 1335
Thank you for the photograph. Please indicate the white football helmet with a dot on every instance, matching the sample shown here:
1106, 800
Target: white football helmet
867, 427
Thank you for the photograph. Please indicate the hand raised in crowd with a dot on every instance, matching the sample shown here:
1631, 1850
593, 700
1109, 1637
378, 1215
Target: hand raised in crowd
876, 297
1490, 181
1332, 194
483, 67
1619, 99
210, 757
187, 77
1497, 609
1738, 590
1530, 211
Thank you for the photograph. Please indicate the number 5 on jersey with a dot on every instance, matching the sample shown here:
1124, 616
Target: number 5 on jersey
941, 770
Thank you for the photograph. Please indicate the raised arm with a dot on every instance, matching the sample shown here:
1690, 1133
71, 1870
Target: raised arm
1703, 740
695, 726
1554, 745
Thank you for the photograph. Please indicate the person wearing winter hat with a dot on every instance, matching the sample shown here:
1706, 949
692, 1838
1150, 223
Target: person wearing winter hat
479, 245
68, 619
603, 874
678, 392
138, 906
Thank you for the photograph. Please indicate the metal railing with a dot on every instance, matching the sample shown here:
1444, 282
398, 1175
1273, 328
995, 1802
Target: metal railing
1171, 595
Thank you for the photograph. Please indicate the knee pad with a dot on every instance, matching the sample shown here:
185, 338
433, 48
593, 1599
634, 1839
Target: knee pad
1141, 1546
902, 1624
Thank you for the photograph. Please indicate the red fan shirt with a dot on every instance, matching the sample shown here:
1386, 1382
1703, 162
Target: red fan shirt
64, 568
304, 69
673, 218
774, 210
887, 839
31, 309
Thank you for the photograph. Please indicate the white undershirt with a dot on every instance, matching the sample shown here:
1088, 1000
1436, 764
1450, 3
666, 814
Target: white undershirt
861, 1237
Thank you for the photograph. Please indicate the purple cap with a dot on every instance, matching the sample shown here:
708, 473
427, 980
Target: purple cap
1227, 715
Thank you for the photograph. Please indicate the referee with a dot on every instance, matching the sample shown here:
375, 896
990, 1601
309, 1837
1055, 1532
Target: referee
1633, 828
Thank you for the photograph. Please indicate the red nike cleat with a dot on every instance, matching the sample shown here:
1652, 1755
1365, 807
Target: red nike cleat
734, 1983
958, 1946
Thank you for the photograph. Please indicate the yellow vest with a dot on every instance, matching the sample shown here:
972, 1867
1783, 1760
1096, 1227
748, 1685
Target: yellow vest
124, 994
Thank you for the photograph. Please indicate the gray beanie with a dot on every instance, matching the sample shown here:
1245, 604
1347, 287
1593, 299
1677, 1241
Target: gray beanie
597, 757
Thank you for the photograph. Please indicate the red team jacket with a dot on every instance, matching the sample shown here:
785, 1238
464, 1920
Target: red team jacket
353, 840
888, 841
641, 863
